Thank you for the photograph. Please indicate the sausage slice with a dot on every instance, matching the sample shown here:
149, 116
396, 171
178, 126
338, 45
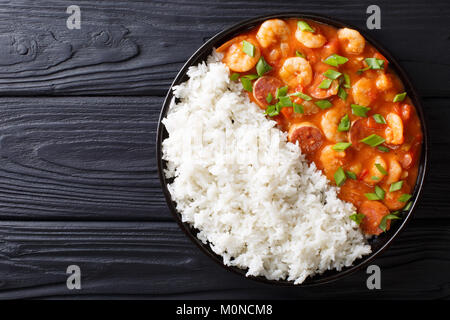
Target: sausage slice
263, 86
309, 137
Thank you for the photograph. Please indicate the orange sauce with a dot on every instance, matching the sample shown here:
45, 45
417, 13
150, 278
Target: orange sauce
359, 157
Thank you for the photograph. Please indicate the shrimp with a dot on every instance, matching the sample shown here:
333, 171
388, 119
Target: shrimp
394, 172
310, 39
375, 175
373, 212
353, 42
234, 56
384, 82
330, 122
295, 71
364, 92
394, 129
274, 33
331, 160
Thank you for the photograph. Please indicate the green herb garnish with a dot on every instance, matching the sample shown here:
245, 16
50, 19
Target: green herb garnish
383, 223
351, 175
357, 217
234, 76
383, 149
248, 48
301, 95
304, 26
298, 108
342, 93
404, 197
269, 97
325, 84
262, 67
281, 92
380, 168
344, 125
323, 104
347, 81
373, 140
247, 84
359, 110
335, 60
332, 74
341, 146
339, 176
396, 186
399, 97
299, 54
379, 118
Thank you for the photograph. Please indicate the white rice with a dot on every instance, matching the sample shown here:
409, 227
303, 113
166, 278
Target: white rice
249, 192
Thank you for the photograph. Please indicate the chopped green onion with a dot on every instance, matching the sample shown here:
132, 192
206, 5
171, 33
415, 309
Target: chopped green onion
272, 111
383, 149
247, 84
251, 76
332, 74
262, 67
341, 146
383, 223
335, 60
347, 81
285, 101
379, 192
351, 175
304, 26
360, 71
234, 76
344, 125
375, 178
404, 197
407, 207
399, 97
371, 196
379, 118
301, 95
299, 54
373, 140
357, 217
375, 63
339, 177
323, 104
359, 110
396, 186
380, 168
248, 48
325, 84
298, 108
269, 98
281, 92
342, 93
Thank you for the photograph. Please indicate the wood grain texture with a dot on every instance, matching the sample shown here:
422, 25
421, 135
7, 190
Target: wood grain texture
137, 47
156, 260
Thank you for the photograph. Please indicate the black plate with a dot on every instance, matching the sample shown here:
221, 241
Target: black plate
379, 243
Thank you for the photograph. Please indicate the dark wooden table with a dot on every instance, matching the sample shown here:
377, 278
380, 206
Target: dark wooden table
78, 180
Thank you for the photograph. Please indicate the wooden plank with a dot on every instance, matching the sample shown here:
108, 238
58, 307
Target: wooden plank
156, 260
79, 158
137, 47
86, 158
